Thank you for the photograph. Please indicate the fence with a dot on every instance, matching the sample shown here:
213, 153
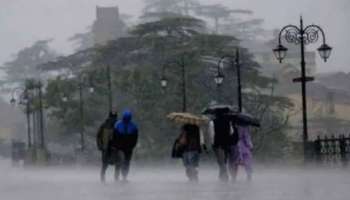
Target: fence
332, 150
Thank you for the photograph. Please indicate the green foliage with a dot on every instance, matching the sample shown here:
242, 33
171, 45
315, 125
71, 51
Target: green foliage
166, 47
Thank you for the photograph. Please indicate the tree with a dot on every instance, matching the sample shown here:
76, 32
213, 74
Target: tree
25, 63
136, 66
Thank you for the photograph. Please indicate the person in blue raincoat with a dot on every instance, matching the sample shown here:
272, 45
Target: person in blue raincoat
123, 143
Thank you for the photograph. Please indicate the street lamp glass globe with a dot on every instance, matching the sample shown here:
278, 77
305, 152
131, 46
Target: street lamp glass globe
219, 79
91, 89
325, 51
164, 83
280, 52
64, 99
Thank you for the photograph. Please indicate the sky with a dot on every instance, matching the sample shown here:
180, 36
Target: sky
22, 22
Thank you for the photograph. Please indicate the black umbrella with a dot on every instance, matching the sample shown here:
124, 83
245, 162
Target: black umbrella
218, 109
243, 119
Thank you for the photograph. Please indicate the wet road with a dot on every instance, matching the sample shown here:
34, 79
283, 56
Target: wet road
170, 184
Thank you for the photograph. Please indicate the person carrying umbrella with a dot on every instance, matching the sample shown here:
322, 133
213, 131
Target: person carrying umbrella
241, 153
224, 136
188, 145
190, 141
221, 131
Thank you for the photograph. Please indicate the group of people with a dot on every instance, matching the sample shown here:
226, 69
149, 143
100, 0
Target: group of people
116, 140
231, 142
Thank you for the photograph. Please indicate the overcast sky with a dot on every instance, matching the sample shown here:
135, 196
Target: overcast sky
23, 22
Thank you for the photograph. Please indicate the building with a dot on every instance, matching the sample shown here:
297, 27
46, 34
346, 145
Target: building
108, 25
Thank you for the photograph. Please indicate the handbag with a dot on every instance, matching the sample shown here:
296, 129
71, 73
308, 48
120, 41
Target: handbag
179, 147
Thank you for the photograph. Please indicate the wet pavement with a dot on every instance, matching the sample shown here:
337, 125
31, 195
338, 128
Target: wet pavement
170, 184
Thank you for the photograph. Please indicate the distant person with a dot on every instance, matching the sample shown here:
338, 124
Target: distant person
103, 140
222, 138
241, 154
189, 142
124, 141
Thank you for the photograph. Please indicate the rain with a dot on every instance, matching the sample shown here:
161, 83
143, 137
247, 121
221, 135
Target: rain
169, 99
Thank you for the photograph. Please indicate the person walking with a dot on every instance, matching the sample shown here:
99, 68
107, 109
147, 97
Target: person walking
241, 154
125, 138
103, 140
221, 131
190, 141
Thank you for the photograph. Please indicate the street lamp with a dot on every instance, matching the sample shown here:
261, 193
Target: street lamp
235, 62
280, 52
302, 36
164, 81
219, 78
325, 51
24, 99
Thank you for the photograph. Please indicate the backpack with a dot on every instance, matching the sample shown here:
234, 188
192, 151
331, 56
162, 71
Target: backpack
178, 147
104, 137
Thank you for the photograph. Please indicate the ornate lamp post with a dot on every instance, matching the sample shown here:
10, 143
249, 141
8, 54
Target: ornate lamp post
302, 36
235, 63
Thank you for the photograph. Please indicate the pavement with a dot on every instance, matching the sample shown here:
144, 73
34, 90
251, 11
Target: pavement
159, 183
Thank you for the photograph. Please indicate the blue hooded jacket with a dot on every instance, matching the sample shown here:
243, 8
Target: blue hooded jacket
126, 126
125, 133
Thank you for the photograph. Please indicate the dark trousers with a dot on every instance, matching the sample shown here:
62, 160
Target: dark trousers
122, 162
107, 160
222, 158
104, 165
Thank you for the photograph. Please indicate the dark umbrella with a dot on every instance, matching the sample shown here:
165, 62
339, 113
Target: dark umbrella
244, 119
218, 109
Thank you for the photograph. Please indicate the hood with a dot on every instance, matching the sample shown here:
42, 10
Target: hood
127, 116
113, 115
